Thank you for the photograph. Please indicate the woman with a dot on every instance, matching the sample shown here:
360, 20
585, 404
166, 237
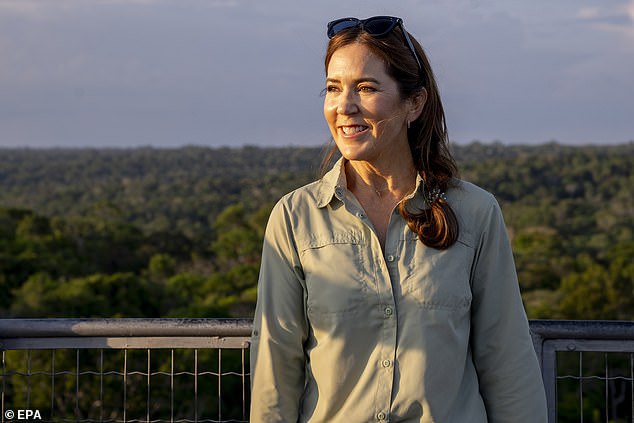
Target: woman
387, 290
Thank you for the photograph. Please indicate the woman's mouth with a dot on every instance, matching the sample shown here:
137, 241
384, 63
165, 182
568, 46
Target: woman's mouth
353, 130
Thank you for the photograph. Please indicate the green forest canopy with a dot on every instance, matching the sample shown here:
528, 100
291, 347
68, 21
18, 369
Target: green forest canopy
177, 232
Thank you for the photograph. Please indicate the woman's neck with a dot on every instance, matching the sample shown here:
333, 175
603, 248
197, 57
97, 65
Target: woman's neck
395, 179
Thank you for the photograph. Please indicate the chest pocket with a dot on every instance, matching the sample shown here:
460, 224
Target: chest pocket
437, 279
334, 269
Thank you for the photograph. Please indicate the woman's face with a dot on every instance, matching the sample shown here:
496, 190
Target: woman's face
363, 107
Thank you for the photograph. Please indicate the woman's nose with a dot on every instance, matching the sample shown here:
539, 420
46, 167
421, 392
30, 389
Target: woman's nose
347, 104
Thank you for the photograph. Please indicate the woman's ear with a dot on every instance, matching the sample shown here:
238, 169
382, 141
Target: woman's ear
416, 105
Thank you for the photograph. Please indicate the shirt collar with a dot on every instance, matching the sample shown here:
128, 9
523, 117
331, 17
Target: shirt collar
416, 200
334, 185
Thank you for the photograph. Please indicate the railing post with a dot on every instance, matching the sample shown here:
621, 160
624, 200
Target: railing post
547, 362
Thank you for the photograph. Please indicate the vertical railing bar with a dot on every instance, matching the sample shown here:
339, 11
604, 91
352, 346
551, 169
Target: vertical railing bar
632, 384
77, 385
244, 395
581, 384
219, 383
28, 379
172, 388
549, 377
52, 384
125, 384
148, 386
4, 385
101, 384
607, 380
196, 385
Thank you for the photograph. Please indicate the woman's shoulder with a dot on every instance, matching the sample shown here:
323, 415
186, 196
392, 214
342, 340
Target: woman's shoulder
309, 197
474, 207
316, 194
296, 211
468, 194
306, 195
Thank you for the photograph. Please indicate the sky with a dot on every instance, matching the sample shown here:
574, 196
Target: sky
168, 73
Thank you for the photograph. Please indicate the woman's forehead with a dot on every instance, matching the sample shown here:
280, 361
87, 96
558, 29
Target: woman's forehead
355, 59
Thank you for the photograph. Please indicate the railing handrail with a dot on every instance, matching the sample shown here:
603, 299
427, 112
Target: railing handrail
131, 327
583, 329
69, 327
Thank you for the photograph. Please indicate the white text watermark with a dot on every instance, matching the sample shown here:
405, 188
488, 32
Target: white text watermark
23, 415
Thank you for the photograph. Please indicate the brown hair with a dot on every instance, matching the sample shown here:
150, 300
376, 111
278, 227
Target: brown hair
436, 226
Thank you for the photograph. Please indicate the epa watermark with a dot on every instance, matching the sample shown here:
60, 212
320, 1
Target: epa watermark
23, 415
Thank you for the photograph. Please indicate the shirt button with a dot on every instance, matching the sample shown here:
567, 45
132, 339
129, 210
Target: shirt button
388, 311
381, 416
390, 258
386, 363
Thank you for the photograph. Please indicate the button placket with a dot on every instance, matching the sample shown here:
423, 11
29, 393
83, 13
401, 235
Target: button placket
385, 378
385, 273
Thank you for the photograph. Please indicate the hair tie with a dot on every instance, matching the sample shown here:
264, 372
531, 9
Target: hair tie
436, 194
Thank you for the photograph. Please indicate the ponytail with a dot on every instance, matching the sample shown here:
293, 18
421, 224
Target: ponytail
436, 226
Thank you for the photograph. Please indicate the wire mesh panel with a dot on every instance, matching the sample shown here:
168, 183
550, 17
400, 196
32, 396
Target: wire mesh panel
129, 385
118, 370
595, 387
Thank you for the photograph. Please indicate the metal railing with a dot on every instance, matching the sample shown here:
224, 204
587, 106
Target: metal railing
196, 370
587, 368
125, 370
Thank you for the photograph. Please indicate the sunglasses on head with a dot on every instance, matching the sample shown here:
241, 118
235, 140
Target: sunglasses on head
376, 26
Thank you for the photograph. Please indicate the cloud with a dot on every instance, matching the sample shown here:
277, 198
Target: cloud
588, 13
618, 19
593, 15
23, 7
208, 3
33, 7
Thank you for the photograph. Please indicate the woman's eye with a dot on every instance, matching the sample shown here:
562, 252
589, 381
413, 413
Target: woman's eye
331, 88
366, 89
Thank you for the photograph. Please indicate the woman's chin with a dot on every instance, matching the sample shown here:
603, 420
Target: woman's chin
355, 154
356, 149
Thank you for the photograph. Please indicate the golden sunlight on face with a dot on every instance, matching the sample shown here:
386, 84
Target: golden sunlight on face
363, 107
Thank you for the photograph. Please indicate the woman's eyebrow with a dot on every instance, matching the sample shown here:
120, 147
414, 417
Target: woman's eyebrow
356, 81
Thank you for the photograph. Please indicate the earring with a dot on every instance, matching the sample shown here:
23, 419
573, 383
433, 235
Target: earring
408, 124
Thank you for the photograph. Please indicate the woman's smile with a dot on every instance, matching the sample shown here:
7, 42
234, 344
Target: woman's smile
352, 131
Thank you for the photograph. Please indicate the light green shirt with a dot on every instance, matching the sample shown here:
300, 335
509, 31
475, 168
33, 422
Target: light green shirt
346, 332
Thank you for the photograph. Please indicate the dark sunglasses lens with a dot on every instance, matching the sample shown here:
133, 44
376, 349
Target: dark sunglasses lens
379, 27
338, 26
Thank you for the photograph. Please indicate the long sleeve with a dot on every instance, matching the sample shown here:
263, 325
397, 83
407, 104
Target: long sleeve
280, 327
508, 371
